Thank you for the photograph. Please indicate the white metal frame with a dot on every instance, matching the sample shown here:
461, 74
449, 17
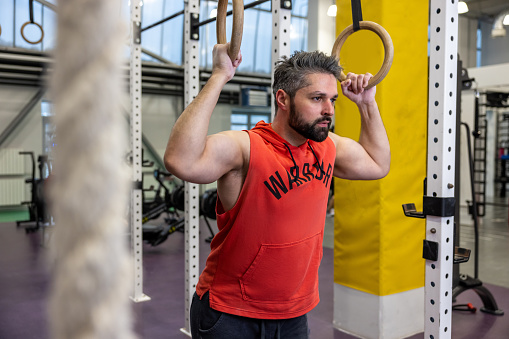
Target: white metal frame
136, 142
281, 20
440, 164
192, 203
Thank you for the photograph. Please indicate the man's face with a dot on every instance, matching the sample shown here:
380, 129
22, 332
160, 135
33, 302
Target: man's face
312, 108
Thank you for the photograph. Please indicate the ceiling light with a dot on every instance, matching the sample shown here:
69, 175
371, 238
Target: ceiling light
498, 29
506, 20
213, 13
333, 9
462, 7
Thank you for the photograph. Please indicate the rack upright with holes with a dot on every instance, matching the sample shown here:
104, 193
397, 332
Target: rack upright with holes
281, 20
191, 210
439, 201
136, 145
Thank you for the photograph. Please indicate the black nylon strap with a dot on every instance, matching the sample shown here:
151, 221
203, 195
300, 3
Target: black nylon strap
356, 14
31, 9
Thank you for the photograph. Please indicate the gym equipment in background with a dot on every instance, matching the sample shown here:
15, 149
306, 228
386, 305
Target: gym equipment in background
170, 203
31, 22
37, 206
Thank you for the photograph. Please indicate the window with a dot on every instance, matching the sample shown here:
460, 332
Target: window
478, 45
257, 34
242, 119
166, 39
48, 128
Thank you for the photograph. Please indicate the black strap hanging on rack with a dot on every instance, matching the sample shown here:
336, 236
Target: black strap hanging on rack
31, 9
356, 14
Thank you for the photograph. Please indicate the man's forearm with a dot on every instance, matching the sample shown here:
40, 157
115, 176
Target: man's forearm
189, 134
373, 136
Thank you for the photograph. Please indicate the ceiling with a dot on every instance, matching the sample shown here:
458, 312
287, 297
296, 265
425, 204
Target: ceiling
486, 10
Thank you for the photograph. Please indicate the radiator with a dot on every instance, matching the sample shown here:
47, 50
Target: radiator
12, 177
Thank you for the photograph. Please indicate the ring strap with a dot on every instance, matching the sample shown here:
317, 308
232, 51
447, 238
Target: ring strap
356, 14
31, 10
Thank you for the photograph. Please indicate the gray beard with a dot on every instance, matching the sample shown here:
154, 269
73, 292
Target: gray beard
308, 130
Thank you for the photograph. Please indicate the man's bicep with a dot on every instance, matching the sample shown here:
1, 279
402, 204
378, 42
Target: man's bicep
352, 160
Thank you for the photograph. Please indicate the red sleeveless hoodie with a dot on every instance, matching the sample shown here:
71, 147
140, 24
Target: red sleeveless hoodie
264, 260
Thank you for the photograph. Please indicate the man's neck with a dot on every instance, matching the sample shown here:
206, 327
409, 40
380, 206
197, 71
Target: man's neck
281, 127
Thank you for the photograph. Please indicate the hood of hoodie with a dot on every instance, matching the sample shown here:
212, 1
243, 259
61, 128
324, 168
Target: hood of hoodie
269, 135
266, 132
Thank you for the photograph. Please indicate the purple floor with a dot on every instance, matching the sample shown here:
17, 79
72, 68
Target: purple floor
24, 285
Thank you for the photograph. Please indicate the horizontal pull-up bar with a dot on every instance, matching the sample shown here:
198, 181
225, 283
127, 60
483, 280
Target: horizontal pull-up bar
47, 4
163, 20
251, 5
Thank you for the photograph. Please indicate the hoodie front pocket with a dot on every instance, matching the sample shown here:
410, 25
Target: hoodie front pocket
283, 272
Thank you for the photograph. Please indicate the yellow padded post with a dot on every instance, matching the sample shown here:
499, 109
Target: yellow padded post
377, 249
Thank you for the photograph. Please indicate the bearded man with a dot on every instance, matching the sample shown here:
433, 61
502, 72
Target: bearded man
273, 181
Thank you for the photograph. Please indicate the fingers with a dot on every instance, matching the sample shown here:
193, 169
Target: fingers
345, 84
221, 62
367, 77
237, 60
356, 82
220, 51
221, 57
221, 46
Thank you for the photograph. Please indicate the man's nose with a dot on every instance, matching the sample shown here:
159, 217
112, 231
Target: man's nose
328, 108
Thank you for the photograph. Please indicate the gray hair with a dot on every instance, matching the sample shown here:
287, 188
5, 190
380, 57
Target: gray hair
291, 73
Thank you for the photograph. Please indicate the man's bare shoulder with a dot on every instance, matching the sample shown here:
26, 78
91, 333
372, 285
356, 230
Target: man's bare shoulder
239, 137
232, 147
343, 144
336, 139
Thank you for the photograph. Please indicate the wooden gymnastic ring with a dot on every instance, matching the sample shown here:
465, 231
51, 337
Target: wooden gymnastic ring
386, 40
0, 30
25, 38
238, 24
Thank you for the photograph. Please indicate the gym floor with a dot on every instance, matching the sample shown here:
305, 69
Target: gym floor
24, 283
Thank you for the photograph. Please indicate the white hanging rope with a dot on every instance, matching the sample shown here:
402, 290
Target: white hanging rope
89, 191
